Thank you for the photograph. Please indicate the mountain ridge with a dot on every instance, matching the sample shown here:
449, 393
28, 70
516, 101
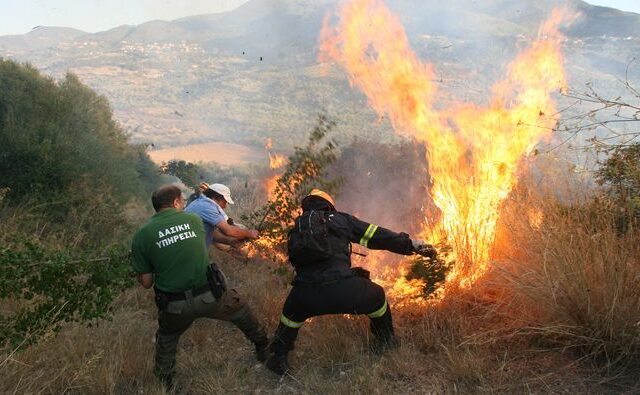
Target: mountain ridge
622, 21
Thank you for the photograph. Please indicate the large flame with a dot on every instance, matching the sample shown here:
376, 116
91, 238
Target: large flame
473, 151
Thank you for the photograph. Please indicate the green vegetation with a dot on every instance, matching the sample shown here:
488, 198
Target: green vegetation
189, 173
68, 176
432, 271
56, 287
59, 135
620, 175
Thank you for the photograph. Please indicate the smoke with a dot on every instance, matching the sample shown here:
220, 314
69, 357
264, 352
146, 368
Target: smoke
384, 184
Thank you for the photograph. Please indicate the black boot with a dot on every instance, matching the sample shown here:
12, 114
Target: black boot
278, 364
380, 346
167, 381
382, 329
283, 341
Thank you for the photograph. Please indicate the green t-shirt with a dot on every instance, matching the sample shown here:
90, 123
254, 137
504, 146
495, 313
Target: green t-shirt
171, 245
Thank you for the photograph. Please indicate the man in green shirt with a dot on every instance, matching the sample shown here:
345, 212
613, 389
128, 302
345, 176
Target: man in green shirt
169, 250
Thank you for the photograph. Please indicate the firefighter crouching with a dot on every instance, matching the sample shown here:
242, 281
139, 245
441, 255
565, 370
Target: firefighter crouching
319, 248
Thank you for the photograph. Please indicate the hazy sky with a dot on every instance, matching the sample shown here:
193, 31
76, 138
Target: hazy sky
20, 16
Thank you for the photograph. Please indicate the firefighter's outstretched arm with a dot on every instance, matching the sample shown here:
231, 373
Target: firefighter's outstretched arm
378, 238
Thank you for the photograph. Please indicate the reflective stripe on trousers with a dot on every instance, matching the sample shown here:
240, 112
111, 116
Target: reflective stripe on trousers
380, 312
290, 323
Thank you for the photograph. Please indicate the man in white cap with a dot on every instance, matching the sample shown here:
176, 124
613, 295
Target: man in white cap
210, 207
201, 188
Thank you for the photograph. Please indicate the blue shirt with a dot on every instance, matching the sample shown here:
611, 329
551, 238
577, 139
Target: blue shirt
210, 212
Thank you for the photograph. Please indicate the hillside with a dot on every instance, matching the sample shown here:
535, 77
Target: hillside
251, 73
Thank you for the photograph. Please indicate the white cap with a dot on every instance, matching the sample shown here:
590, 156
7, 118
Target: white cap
223, 190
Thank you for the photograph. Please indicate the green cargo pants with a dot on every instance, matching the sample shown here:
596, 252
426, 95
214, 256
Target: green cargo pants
179, 315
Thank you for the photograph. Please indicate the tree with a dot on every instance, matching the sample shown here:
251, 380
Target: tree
619, 171
59, 135
189, 173
604, 113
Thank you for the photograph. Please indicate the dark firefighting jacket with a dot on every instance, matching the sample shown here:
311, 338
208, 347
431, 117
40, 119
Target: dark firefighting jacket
347, 229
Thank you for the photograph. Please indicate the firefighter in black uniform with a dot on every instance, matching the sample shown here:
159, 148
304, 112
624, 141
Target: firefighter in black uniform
325, 283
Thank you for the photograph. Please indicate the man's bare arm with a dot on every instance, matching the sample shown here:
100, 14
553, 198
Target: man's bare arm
234, 231
219, 237
146, 280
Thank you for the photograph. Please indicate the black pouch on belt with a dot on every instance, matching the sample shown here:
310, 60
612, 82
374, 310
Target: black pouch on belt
161, 301
216, 280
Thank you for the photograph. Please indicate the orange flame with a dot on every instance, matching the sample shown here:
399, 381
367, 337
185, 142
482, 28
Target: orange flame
473, 151
277, 161
270, 186
390, 271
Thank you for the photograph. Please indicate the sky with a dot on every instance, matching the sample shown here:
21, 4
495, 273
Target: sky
20, 16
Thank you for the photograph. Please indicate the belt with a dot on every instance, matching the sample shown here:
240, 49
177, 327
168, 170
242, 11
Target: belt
173, 296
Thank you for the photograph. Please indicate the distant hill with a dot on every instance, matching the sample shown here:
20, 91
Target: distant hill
251, 73
39, 37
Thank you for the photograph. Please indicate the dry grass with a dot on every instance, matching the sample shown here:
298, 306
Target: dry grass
557, 313
574, 284
438, 353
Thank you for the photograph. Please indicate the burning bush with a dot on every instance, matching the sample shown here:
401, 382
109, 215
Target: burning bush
305, 170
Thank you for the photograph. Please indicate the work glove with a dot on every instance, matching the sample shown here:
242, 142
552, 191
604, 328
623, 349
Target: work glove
420, 247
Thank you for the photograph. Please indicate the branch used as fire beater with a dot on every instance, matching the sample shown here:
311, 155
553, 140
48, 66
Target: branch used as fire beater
264, 217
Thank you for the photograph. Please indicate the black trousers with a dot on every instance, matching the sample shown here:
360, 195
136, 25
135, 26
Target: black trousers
352, 295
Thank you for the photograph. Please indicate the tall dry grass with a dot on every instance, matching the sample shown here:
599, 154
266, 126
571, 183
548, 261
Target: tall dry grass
571, 281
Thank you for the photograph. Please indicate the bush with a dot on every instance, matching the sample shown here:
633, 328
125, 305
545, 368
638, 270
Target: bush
189, 173
56, 135
620, 175
53, 287
67, 173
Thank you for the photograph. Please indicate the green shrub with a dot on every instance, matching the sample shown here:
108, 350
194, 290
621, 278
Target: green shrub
58, 134
69, 181
620, 175
53, 287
